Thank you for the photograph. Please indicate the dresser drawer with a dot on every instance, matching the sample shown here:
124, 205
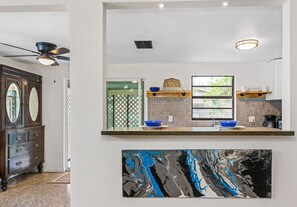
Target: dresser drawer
35, 134
36, 145
20, 163
16, 137
25, 148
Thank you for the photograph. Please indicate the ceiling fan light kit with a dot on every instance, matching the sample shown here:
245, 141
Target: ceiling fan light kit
46, 55
247, 44
46, 59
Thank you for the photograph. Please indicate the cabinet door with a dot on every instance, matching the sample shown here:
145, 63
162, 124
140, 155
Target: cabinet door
33, 104
278, 79
270, 80
274, 79
12, 102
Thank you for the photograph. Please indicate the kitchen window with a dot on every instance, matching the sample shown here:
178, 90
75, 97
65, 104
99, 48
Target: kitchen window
212, 97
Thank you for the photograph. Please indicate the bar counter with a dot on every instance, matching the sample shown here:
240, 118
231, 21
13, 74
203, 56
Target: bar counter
198, 131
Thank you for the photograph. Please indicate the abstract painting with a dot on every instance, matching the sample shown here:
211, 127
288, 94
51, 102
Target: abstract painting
210, 173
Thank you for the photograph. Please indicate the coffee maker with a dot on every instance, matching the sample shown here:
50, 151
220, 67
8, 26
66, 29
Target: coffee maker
270, 121
279, 122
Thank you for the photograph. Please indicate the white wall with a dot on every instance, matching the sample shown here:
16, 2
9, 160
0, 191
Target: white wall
53, 115
52, 109
19, 65
286, 70
250, 75
98, 158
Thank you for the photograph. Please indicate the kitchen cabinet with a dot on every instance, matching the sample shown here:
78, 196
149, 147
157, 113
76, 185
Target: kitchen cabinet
274, 79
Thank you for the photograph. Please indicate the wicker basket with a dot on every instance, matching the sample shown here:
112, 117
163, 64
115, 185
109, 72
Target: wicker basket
171, 84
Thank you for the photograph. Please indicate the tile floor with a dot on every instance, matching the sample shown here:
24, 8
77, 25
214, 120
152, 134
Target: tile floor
32, 190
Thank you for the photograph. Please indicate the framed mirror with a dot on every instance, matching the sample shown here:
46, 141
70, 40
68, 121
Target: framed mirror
33, 104
13, 102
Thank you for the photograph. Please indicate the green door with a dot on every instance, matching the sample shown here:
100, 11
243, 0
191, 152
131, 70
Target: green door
125, 103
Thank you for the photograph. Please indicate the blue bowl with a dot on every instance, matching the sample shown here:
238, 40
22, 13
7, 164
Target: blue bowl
153, 123
154, 89
228, 123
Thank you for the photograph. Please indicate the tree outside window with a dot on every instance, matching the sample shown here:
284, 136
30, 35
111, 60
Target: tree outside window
213, 97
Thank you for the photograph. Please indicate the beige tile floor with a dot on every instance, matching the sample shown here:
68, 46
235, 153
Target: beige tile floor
32, 190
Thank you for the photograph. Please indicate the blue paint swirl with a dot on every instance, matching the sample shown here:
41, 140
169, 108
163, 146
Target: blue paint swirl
191, 162
147, 162
130, 164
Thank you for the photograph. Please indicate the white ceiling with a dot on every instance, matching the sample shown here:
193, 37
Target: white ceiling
178, 35
24, 29
193, 35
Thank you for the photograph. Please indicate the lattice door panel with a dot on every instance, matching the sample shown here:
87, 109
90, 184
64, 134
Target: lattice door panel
110, 113
133, 111
122, 111
68, 127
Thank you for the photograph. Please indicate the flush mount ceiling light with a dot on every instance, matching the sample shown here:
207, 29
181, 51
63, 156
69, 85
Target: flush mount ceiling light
225, 3
46, 59
247, 44
161, 5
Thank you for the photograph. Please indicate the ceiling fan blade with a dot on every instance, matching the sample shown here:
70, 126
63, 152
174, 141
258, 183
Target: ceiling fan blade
19, 48
20, 56
60, 51
55, 64
63, 58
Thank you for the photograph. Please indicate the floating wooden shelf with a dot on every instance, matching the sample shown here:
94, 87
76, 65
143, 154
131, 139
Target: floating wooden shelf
252, 94
169, 94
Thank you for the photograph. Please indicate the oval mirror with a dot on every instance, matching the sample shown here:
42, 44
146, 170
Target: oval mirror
33, 104
13, 102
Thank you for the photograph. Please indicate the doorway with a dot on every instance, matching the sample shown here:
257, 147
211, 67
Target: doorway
67, 125
125, 103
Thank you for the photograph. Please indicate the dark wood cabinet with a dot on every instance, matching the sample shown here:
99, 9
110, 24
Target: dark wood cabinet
7, 82
21, 130
32, 87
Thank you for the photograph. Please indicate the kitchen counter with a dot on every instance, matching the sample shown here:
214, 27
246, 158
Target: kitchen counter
198, 131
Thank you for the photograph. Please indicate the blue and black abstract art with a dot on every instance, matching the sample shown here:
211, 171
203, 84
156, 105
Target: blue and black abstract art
197, 173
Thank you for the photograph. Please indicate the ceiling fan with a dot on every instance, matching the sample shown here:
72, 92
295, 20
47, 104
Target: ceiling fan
46, 55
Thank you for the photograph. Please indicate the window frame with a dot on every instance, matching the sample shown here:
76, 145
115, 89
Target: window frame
232, 97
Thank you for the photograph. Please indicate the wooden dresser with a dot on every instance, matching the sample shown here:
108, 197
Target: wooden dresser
21, 133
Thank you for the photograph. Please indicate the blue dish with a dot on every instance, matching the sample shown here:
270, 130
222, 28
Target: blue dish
153, 123
154, 89
228, 123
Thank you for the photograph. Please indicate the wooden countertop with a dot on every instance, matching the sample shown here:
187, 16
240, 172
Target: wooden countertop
198, 131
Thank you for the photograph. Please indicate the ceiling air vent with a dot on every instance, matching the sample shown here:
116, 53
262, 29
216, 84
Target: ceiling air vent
144, 44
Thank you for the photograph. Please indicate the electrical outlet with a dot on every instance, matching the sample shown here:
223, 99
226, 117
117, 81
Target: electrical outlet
170, 118
252, 118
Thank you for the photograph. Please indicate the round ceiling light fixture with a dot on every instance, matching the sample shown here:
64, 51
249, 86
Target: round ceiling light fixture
226, 3
247, 44
161, 5
46, 59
